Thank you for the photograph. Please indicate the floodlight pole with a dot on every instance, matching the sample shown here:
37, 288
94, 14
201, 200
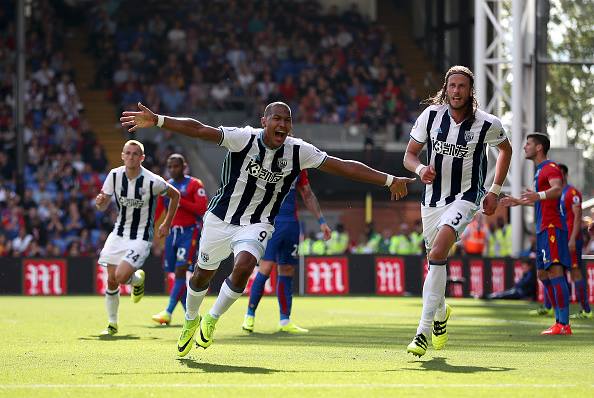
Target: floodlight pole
517, 135
498, 56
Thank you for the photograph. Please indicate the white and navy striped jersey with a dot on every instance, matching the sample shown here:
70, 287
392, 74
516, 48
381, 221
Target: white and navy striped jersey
458, 152
136, 200
255, 179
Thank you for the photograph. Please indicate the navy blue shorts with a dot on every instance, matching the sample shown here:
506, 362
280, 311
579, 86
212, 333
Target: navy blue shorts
282, 246
551, 248
181, 247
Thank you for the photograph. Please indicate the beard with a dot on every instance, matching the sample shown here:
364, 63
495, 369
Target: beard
462, 106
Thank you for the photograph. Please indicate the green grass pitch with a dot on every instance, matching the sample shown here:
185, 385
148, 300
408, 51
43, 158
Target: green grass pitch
355, 348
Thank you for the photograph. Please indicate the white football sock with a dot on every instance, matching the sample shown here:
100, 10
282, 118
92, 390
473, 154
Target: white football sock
433, 295
440, 313
227, 296
112, 302
193, 301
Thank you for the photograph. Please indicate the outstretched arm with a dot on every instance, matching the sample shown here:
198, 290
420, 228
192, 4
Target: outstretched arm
311, 202
358, 171
186, 126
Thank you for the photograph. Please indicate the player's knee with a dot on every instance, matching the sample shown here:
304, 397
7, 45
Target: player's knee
180, 272
542, 275
112, 284
556, 271
286, 270
265, 267
576, 274
200, 279
439, 252
121, 279
243, 269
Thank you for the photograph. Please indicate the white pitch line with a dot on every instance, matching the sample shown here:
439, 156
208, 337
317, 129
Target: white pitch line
286, 386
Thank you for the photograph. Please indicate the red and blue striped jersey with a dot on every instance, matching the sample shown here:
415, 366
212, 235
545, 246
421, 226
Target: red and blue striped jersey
548, 211
569, 198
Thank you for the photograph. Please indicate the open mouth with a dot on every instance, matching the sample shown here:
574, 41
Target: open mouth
280, 134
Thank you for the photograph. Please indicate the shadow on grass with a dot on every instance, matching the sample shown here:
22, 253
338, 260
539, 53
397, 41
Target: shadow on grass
161, 327
439, 364
214, 368
476, 338
117, 337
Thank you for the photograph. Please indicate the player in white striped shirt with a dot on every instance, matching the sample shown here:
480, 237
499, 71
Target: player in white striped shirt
257, 174
135, 190
457, 134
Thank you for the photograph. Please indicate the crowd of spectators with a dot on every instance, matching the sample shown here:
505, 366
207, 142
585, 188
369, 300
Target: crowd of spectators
327, 73
64, 166
330, 67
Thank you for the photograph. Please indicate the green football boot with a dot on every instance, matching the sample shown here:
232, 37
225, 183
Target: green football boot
581, 315
248, 323
110, 330
138, 290
292, 328
207, 328
418, 346
542, 311
185, 339
439, 336
162, 318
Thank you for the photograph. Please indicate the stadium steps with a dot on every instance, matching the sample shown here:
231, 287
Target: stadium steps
415, 62
99, 110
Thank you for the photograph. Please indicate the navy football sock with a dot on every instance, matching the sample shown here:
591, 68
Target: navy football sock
284, 292
256, 293
177, 293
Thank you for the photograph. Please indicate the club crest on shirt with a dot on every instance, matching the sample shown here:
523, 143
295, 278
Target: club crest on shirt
142, 191
468, 135
282, 163
204, 257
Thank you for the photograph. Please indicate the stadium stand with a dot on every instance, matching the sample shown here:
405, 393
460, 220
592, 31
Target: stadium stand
64, 166
224, 56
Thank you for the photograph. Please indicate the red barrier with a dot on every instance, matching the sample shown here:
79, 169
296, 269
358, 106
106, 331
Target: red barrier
45, 277
327, 275
389, 276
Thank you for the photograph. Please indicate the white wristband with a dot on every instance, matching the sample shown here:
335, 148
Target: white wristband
160, 120
389, 180
542, 194
420, 167
495, 188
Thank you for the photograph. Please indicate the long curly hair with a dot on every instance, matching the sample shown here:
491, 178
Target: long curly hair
441, 97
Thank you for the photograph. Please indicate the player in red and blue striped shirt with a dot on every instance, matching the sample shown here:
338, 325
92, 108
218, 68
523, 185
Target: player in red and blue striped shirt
181, 244
552, 253
571, 202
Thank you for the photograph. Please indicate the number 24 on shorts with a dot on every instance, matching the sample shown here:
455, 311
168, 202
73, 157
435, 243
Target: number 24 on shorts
131, 255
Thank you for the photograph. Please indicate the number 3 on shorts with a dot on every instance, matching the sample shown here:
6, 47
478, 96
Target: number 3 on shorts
262, 236
457, 219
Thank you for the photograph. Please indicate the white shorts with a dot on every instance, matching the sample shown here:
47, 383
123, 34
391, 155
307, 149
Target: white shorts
118, 249
457, 215
219, 239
